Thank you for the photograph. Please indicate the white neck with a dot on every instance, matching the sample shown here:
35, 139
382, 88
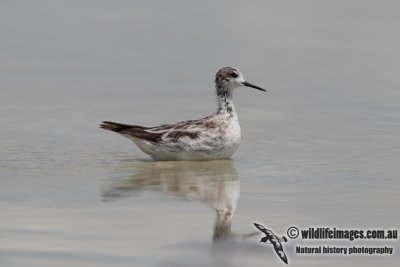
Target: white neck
225, 101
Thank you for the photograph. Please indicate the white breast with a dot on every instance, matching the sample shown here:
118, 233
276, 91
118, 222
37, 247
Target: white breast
232, 137
216, 143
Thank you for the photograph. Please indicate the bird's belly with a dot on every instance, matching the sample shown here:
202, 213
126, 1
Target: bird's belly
209, 150
209, 146
189, 153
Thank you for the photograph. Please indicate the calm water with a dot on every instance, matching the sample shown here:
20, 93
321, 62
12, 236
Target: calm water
321, 148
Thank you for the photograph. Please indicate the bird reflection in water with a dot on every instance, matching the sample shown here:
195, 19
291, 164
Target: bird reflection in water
214, 183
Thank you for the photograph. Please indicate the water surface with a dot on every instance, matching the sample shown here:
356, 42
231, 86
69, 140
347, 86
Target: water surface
321, 147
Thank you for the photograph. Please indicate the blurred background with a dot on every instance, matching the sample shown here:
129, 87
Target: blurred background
321, 147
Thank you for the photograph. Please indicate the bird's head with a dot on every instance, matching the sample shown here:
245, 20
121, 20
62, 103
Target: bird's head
229, 78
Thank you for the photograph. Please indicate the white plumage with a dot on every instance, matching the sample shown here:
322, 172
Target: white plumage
214, 137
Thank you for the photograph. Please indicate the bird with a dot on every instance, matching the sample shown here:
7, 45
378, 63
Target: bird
274, 240
211, 138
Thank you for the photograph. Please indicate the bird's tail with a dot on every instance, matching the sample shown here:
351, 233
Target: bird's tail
116, 127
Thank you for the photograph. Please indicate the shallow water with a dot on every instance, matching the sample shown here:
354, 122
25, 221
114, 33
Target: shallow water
320, 148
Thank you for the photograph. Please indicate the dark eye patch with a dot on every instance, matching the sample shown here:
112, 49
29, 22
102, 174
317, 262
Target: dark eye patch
234, 75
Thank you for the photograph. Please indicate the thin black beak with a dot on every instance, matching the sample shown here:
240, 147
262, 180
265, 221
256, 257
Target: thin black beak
253, 86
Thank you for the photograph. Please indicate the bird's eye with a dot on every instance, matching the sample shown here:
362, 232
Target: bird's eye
234, 75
